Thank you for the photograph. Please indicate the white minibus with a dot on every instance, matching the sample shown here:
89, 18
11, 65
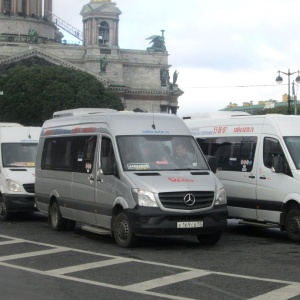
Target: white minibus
127, 174
18, 145
258, 162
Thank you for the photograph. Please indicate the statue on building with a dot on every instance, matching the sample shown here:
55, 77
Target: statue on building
164, 77
158, 43
103, 64
33, 36
175, 77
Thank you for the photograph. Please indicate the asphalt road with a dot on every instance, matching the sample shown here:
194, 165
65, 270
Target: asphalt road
247, 263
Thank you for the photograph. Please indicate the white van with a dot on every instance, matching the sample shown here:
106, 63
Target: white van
258, 161
117, 173
18, 145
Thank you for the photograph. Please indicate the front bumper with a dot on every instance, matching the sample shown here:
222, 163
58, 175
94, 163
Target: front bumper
18, 203
154, 221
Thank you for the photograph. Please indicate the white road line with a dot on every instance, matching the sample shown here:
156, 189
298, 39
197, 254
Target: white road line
89, 266
291, 290
158, 282
11, 242
284, 293
31, 254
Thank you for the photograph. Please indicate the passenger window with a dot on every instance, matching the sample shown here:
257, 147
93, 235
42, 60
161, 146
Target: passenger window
232, 153
85, 153
73, 154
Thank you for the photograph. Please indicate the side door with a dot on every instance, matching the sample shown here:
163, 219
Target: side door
236, 168
271, 187
84, 179
107, 175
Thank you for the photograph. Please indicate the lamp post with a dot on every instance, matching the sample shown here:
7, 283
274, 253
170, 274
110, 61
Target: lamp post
279, 80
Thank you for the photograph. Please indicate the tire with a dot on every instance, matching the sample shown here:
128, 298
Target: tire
209, 239
123, 234
71, 224
292, 224
4, 214
57, 222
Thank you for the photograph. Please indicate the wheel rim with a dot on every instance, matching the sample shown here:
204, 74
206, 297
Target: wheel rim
123, 230
54, 215
294, 225
2, 209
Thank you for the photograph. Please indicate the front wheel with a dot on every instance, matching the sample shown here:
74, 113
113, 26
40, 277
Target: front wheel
292, 224
4, 214
209, 239
123, 234
57, 222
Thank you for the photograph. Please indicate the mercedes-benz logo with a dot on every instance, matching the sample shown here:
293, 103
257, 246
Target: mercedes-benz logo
189, 199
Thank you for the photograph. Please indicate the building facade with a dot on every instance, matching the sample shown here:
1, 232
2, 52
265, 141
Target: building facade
140, 77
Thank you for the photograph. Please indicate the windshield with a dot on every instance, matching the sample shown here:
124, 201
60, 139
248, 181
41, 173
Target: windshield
18, 154
293, 145
148, 153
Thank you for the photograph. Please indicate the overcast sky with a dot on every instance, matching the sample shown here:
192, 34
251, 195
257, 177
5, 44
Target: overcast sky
224, 50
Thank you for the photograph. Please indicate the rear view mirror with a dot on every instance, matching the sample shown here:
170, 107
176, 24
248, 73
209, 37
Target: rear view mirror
212, 161
277, 164
107, 165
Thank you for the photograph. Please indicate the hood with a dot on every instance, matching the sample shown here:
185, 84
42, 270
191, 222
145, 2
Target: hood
20, 175
170, 181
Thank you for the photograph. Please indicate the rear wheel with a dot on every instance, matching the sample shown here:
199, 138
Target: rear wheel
123, 234
209, 239
292, 224
57, 222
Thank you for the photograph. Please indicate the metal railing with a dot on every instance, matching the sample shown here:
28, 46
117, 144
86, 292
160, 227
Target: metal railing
64, 25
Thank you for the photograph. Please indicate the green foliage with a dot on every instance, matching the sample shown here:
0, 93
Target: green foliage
32, 94
277, 110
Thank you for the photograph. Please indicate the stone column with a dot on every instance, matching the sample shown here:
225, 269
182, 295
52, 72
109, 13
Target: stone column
96, 34
14, 6
46, 8
50, 5
1, 6
28, 8
39, 8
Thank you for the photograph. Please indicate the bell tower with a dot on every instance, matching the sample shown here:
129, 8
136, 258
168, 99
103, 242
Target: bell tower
101, 24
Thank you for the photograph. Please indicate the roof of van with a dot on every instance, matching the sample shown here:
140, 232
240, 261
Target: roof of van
10, 125
115, 122
215, 115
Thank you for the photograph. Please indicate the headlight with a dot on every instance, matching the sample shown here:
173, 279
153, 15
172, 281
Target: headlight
13, 186
221, 197
144, 198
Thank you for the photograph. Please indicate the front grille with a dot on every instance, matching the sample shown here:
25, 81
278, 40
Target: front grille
29, 187
175, 200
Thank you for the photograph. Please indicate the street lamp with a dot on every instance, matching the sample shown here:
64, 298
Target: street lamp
279, 80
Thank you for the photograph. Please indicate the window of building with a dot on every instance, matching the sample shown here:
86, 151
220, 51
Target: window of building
103, 33
232, 153
7, 5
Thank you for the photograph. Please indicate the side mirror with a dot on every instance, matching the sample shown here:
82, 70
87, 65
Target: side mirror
107, 165
277, 164
212, 161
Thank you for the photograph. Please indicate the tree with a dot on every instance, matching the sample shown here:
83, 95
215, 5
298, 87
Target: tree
33, 93
277, 110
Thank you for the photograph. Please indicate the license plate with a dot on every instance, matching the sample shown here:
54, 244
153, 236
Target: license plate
190, 224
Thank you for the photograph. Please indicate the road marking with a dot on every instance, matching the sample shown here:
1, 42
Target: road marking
292, 289
158, 282
11, 242
31, 254
88, 266
284, 293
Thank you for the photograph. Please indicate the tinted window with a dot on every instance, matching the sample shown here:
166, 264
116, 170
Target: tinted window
69, 153
232, 153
